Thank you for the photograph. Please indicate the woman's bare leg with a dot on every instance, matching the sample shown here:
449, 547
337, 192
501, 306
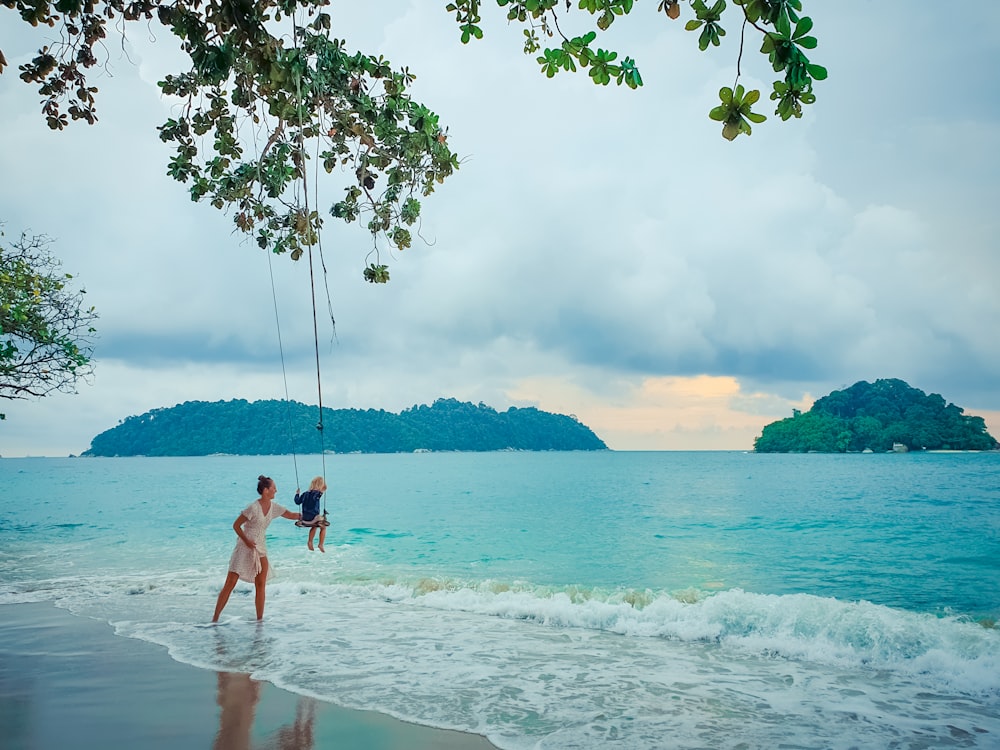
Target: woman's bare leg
227, 589
260, 582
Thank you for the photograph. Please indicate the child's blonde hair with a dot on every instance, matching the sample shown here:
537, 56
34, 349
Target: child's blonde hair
317, 484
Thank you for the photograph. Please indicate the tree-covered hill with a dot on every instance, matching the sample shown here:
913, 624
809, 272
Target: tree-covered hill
876, 416
239, 427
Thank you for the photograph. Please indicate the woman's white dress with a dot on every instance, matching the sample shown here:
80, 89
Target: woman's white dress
245, 561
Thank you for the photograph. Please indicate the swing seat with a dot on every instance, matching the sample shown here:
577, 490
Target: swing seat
312, 524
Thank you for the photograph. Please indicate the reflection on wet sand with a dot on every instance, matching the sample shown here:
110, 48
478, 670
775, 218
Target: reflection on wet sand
299, 736
237, 696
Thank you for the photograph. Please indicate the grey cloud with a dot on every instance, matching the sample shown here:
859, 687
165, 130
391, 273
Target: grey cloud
594, 235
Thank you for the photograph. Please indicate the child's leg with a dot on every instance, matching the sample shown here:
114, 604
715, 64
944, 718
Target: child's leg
322, 538
312, 535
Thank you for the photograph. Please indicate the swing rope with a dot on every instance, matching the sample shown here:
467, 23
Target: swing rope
312, 278
319, 380
284, 375
312, 289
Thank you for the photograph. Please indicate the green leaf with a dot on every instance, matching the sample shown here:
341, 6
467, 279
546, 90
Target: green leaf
706, 38
783, 27
817, 71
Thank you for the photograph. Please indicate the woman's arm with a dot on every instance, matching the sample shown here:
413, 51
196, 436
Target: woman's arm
292, 516
238, 528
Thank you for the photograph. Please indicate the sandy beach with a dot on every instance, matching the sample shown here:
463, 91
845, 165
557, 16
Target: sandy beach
67, 681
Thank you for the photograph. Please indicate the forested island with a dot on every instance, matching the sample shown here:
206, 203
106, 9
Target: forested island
261, 428
882, 416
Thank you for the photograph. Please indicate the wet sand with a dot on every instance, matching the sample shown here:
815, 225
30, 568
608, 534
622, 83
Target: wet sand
70, 682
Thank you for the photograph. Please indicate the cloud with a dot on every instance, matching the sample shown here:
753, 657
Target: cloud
601, 251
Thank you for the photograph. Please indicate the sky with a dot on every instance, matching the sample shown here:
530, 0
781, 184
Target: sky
601, 252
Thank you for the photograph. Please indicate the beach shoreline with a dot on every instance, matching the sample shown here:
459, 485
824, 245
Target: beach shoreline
69, 681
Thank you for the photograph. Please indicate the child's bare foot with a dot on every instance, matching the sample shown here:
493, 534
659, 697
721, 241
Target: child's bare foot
321, 548
311, 548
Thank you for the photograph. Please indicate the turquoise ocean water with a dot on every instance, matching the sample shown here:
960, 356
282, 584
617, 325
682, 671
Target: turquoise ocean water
560, 600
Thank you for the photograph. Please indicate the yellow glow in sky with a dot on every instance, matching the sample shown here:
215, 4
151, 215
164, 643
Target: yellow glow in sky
675, 413
665, 413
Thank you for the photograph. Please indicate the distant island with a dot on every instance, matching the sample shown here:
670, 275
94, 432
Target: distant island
887, 415
261, 428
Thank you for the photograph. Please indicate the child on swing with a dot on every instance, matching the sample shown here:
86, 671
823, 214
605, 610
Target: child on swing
309, 500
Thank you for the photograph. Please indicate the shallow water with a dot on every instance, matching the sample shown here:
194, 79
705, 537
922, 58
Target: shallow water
554, 600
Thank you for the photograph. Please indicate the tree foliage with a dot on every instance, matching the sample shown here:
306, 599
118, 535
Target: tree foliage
45, 332
269, 88
199, 428
875, 416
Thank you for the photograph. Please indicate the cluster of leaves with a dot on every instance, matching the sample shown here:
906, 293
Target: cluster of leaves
45, 332
198, 428
875, 416
785, 36
60, 70
541, 16
735, 112
351, 110
254, 111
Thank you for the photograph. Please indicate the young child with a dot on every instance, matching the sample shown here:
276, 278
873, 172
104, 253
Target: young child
309, 500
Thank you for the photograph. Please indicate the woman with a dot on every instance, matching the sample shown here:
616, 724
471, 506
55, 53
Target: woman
249, 559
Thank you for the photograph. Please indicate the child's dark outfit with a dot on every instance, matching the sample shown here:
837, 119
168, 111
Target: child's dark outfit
309, 500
